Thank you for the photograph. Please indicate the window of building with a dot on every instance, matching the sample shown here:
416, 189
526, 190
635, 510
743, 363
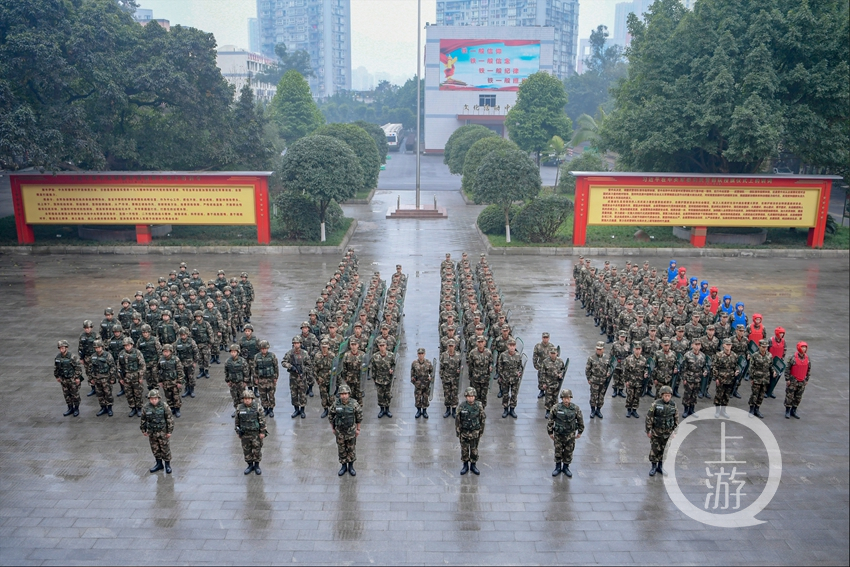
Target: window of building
487, 100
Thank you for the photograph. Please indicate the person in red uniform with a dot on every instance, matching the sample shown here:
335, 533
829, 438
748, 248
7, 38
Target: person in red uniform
713, 300
756, 331
682, 280
777, 348
797, 373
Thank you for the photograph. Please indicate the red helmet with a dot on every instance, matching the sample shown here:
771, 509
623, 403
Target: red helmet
802, 344
778, 330
713, 288
682, 270
757, 316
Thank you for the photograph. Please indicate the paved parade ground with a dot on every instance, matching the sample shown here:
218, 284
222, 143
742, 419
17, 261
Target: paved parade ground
78, 490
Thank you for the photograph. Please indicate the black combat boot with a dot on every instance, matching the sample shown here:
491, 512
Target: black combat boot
684, 412
752, 410
121, 393
157, 467
167, 467
303, 415
310, 391
465, 468
387, 412
592, 412
602, 332
92, 393
271, 413
351, 470
540, 394
614, 392
547, 415
176, 412
191, 391
381, 413
557, 470
628, 412
266, 412
418, 413
325, 413
185, 391
635, 414
596, 321
700, 394
787, 413
474, 469
794, 413
200, 374
132, 412
500, 394
610, 339
736, 394
454, 412
769, 395
513, 413
757, 413
69, 412
566, 470
109, 411
296, 413
77, 410
448, 412
658, 468
343, 469
425, 413
599, 412
250, 468
654, 469
506, 412
257, 469
621, 393
207, 375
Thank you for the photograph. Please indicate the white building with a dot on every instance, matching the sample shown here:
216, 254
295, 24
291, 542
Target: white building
472, 74
239, 66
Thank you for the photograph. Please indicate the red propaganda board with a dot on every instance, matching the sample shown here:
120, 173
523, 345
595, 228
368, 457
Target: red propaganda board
700, 201
142, 199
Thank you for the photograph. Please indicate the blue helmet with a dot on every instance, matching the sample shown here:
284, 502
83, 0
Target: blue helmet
703, 283
739, 305
725, 297
693, 280
672, 263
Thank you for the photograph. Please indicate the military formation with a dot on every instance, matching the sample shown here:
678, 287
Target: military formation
667, 332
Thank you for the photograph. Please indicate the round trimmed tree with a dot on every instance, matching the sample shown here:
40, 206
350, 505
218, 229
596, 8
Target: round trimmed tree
504, 177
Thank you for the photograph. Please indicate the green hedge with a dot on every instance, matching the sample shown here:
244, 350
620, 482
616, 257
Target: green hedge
540, 219
492, 219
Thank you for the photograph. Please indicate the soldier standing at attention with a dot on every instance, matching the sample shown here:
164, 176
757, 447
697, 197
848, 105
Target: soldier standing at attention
187, 354
151, 349
450, 367
247, 295
539, 355
797, 373
760, 370
85, 350
661, 420
352, 363
510, 372
665, 366
553, 369
249, 346
345, 416
236, 375
634, 371
158, 425
67, 370
298, 363
170, 378
565, 426
421, 375
202, 334
322, 366
469, 427
725, 370
692, 372
131, 365
251, 429
381, 368
596, 372
103, 366
480, 364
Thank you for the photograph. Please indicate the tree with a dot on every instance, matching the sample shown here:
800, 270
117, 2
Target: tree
587, 161
249, 143
296, 61
322, 167
459, 143
476, 154
293, 108
538, 114
727, 86
378, 135
363, 146
556, 149
588, 92
506, 176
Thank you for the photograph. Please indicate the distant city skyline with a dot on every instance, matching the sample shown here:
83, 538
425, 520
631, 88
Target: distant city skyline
381, 38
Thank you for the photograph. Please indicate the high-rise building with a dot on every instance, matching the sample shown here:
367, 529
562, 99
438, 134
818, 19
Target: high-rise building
362, 79
622, 11
559, 14
254, 35
322, 28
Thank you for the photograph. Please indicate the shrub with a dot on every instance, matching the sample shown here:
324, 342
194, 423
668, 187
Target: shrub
492, 219
459, 143
298, 218
540, 219
587, 161
476, 154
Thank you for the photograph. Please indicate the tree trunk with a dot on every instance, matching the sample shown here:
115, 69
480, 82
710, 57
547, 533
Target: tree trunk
323, 231
508, 233
508, 222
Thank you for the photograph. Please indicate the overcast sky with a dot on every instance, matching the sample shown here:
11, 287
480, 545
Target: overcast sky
382, 31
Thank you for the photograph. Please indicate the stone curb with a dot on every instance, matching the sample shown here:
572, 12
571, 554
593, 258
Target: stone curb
466, 199
365, 201
803, 253
171, 250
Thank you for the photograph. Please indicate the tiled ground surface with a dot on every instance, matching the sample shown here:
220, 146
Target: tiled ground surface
78, 490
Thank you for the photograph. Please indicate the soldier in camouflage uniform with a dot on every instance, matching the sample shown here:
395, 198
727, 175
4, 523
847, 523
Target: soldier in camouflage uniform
157, 424
693, 330
188, 353
381, 369
299, 364
131, 366
251, 429
634, 372
566, 424
596, 372
249, 346
106, 324
724, 371
510, 373
552, 370
105, 373
761, 365
450, 368
167, 330
151, 349
125, 314
85, 350
237, 375
247, 295
322, 366
345, 416
741, 347
620, 350
213, 316
539, 355
170, 378
480, 363
68, 371
203, 335
421, 375
693, 370
665, 366
115, 345
469, 428
661, 421
352, 364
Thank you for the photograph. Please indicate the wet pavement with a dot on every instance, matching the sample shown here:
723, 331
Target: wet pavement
77, 490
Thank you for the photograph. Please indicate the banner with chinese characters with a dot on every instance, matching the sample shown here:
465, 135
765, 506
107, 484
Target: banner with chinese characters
487, 64
133, 204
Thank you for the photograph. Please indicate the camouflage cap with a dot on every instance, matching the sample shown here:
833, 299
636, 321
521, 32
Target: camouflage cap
344, 389
600, 345
127, 341
420, 350
451, 342
248, 394
740, 327
198, 313
622, 334
149, 285
764, 342
313, 312
727, 341
153, 302
566, 393
153, 393
264, 344
161, 279
356, 324
233, 347
479, 340
61, 344
479, 326
665, 390
166, 313
511, 342
98, 343
470, 391
379, 342
244, 275
653, 328
384, 326
326, 342
295, 339
167, 347
87, 324
637, 345
665, 340
545, 335
139, 294
680, 328
248, 327
711, 327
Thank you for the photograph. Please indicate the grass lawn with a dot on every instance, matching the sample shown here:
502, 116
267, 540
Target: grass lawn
181, 235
